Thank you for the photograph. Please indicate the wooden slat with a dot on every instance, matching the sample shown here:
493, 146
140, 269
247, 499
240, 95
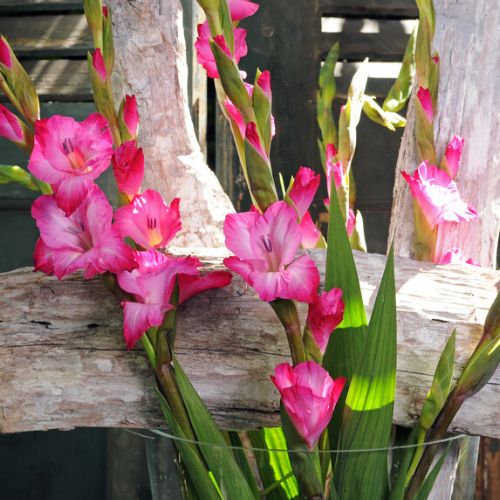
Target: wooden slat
388, 44
47, 36
65, 364
33, 7
370, 8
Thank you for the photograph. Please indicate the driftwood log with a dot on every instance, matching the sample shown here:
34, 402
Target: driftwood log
64, 362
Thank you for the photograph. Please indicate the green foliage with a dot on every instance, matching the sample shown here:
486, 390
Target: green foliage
218, 456
367, 415
426, 486
14, 174
274, 466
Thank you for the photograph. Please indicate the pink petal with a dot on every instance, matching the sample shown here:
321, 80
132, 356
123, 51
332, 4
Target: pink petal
438, 196
264, 82
252, 136
243, 268
43, 258
302, 280
304, 189
5, 57
131, 115
237, 231
138, 318
425, 100
55, 228
234, 112
350, 223
456, 256
113, 255
98, 64
310, 232
190, 285
128, 167
276, 235
324, 315
453, 155
240, 9
71, 191
148, 220
10, 126
269, 285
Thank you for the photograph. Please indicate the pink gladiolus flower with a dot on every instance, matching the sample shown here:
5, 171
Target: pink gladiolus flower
264, 82
435, 58
5, 57
350, 223
204, 53
152, 285
425, 99
265, 246
453, 155
98, 64
456, 256
105, 11
70, 155
43, 258
310, 232
324, 315
131, 115
240, 9
252, 136
304, 189
10, 126
148, 220
438, 196
128, 167
235, 114
84, 240
333, 170
309, 396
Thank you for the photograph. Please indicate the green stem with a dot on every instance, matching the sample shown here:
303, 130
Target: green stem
286, 310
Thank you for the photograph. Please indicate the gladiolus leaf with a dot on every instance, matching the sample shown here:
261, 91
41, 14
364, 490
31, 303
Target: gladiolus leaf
274, 466
193, 463
218, 456
426, 487
367, 415
400, 91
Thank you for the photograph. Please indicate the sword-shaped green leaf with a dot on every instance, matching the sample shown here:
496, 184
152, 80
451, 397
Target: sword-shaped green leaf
218, 456
367, 415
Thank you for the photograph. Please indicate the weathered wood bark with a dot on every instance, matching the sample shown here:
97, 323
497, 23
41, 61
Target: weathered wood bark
468, 105
64, 362
151, 63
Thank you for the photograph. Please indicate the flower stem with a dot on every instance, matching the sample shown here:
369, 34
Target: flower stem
286, 310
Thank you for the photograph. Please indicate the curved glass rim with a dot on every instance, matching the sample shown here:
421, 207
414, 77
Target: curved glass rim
278, 450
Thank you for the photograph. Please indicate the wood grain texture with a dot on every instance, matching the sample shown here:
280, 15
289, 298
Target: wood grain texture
468, 105
151, 63
64, 362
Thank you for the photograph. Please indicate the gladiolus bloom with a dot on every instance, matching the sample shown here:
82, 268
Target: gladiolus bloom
425, 99
252, 136
148, 220
453, 155
131, 115
324, 315
333, 170
70, 155
235, 114
204, 52
128, 167
304, 189
84, 240
310, 232
350, 223
456, 256
98, 64
10, 126
265, 246
152, 285
5, 57
309, 396
240, 9
438, 196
